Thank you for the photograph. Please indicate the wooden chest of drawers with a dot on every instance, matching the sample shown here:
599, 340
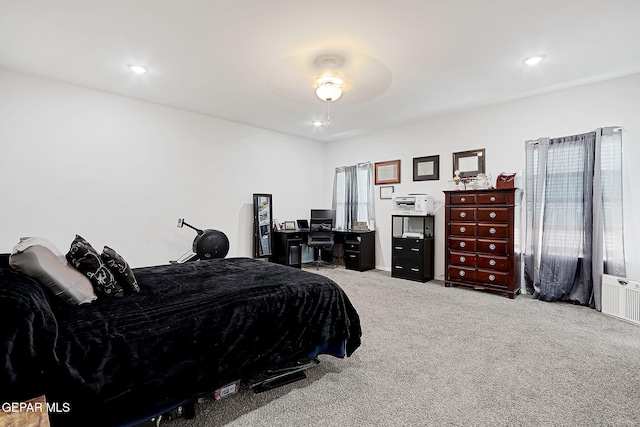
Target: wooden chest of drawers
482, 242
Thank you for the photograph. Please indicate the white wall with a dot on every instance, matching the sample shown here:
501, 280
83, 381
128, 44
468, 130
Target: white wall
502, 130
120, 172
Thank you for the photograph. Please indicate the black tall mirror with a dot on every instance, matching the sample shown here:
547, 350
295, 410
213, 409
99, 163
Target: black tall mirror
262, 228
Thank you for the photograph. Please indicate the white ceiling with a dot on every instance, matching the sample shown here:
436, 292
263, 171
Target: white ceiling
255, 61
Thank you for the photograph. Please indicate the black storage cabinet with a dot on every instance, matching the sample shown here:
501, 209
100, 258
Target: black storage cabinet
412, 247
359, 250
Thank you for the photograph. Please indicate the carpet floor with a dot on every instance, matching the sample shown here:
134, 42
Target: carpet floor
437, 356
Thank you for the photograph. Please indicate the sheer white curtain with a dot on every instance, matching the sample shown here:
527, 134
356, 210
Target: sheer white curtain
353, 195
574, 215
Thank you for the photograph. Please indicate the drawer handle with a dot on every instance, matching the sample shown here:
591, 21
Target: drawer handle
493, 215
492, 262
352, 256
492, 277
463, 229
493, 199
492, 230
398, 248
462, 273
463, 214
463, 244
492, 247
462, 199
399, 267
463, 259
415, 269
415, 249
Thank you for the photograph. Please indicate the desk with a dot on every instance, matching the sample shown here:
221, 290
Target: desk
359, 248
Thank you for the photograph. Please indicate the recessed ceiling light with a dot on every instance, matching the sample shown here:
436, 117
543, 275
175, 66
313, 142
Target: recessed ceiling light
317, 122
533, 60
138, 69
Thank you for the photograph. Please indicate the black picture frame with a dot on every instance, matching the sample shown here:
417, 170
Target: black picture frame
469, 163
426, 168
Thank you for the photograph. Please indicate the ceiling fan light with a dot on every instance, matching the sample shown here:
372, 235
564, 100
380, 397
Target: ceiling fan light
328, 91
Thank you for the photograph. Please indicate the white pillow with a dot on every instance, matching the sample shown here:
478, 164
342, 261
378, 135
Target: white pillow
43, 265
27, 242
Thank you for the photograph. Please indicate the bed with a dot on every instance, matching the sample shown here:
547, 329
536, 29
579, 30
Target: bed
192, 328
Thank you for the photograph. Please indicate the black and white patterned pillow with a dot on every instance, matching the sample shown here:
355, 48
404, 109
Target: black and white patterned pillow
87, 260
120, 269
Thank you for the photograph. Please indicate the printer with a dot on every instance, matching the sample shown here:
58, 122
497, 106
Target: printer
412, 204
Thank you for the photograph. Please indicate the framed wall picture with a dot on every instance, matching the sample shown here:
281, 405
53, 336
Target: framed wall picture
386, 192
426, 168
469, 163
388, 172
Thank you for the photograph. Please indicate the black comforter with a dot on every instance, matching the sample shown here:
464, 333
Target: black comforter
193, 328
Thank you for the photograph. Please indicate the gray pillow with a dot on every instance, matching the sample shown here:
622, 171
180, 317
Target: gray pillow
42, 265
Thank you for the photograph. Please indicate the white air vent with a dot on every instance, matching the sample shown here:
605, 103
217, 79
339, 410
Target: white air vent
621, 298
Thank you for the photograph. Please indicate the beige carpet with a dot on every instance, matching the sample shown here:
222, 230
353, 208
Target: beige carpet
434, 356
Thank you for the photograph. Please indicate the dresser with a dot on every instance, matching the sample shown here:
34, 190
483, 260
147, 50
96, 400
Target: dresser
482, 240
412, 247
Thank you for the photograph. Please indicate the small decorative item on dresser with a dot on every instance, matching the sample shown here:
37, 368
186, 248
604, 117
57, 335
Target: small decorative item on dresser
506, 180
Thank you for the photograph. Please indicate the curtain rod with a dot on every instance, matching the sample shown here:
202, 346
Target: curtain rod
609, 130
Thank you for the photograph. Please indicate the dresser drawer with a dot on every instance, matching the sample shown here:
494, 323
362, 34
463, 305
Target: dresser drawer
500, 231
352, 246
407, 270
499, 198
462, 244
408, 248
495, 278
493, 214
463, 199
462, 273
463, 259
493, 262
352, 260
462, 229
497, 247
463, 214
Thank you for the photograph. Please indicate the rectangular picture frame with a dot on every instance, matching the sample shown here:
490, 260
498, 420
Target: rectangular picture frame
387, 172
426, 168
386, 192
469, 163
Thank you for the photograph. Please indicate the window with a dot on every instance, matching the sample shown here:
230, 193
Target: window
574, 215
353, 195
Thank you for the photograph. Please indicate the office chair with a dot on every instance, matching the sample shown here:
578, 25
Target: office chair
320, 236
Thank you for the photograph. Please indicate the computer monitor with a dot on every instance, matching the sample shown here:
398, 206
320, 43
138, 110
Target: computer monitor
324, 214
